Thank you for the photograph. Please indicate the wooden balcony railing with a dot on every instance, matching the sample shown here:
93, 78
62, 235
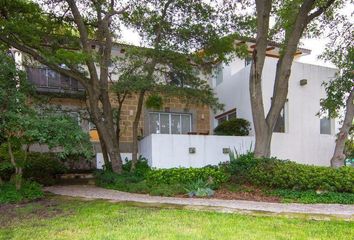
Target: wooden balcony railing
49, 81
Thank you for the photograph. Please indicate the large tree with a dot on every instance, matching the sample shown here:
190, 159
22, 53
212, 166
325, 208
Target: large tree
340, 91
21, 125
174, 34
292, 19
74, 38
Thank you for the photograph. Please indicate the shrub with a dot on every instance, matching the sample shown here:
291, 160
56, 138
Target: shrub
199, 188
233, 127
39, 167
141, 169
187, 175
313, 196
127, 182
43, 168
274, 173
29, 191
6, 170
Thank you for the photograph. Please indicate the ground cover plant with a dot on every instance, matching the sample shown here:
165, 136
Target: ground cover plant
284, 174
243, 178
66, 218
163, 182
29, 191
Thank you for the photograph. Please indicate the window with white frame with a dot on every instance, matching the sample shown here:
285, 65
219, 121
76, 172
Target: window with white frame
170, 123
281, 124
325, 126
231, 114
218, 74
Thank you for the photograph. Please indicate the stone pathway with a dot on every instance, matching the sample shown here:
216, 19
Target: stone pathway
92, 192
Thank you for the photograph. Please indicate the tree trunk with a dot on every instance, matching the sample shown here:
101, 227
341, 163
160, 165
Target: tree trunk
264, 125
107, 162
262, 134
103, 119
18, 170
135, 130
338, 155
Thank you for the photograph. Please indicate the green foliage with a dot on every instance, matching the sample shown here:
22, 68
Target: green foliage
167, 190
39, 167
6, 170
127, 182
141, 168
213, 176
313, 196
43, 168
29, 191
233, 127
274, 173
22, 125
340, 51
199, 188
154, 102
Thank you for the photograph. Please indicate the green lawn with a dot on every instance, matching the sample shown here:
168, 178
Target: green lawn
62, 218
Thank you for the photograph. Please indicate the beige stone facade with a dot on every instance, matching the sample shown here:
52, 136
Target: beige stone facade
200, 116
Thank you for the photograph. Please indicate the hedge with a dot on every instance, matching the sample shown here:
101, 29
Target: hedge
275, 173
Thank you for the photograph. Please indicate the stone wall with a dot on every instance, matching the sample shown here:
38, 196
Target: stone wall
200, 116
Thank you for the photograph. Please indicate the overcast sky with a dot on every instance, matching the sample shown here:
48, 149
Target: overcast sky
315, 45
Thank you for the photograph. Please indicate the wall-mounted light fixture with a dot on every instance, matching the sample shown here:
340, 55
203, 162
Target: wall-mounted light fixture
192, 150
226, 150
303, 82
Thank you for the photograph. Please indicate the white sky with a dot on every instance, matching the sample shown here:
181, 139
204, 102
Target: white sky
315, 45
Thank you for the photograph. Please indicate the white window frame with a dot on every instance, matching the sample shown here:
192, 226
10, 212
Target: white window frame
226, 115
331, 125
170, 121
219, 74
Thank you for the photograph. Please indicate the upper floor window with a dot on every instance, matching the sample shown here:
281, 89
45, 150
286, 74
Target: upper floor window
280, 125
218, 74
248, 60
231, 114
170, 123
45, 78
325, 126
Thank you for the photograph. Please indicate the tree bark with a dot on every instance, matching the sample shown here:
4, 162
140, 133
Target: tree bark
106, 160
264, 126
338, 156
255, 83
18, 169
135, 130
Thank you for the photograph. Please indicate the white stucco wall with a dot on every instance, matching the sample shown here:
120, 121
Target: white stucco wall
100, 161
302, 142
172, 150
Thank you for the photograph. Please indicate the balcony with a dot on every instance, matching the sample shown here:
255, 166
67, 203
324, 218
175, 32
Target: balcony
48, 81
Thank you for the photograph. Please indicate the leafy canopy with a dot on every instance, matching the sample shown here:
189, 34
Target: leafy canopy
22, 124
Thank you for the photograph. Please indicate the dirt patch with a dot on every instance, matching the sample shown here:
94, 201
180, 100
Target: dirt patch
241, 192
255, 195
44, 208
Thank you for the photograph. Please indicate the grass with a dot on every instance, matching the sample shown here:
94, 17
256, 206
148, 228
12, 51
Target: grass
63, 218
